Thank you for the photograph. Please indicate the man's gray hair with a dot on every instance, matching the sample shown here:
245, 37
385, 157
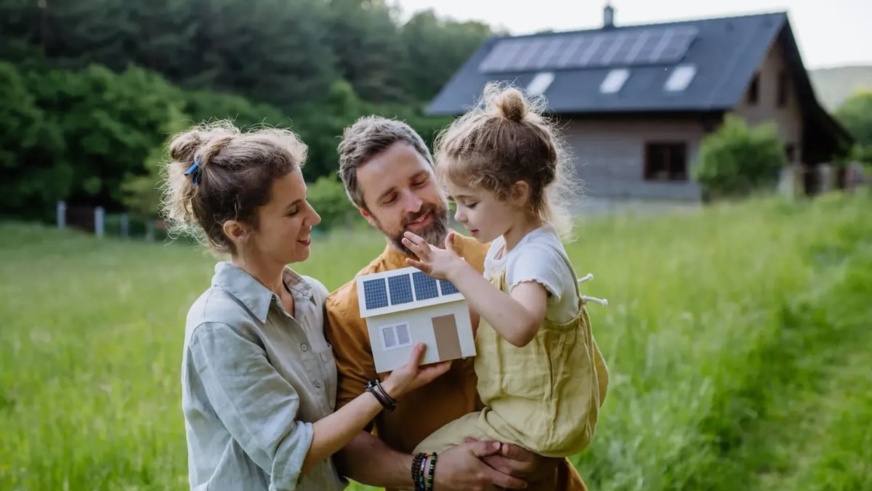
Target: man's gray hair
366, 138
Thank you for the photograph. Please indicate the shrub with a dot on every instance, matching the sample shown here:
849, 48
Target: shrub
856, 114
328, 198
739, 160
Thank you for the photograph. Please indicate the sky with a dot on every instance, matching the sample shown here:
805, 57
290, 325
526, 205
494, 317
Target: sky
829, 32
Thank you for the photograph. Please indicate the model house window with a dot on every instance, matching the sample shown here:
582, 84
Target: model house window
754, 90
783, 82
666, 161
396, 336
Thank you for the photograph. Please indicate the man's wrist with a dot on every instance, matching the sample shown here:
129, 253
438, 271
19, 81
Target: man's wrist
405, 464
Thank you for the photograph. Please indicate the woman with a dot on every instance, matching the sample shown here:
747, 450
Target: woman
258, 377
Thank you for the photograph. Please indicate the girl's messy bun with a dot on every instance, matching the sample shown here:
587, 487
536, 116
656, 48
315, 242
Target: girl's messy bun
511, 104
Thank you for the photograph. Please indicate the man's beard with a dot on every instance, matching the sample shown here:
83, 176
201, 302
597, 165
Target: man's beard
434, 233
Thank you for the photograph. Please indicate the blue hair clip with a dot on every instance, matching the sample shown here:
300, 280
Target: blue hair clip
195, 170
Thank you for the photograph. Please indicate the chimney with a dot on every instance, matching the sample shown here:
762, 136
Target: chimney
608, 16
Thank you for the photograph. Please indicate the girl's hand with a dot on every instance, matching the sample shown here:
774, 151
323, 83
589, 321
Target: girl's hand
436, 262
410, 376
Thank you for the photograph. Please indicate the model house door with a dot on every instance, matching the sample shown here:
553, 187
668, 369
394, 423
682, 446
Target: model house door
447, 340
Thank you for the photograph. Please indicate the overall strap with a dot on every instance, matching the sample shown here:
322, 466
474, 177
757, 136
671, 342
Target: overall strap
582, 299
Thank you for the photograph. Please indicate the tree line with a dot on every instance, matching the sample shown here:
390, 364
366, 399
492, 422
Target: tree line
90, 90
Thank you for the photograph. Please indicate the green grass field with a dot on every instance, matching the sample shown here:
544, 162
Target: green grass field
738, 340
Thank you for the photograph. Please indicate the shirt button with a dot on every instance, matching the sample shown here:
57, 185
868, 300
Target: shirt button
317, 384
304, 347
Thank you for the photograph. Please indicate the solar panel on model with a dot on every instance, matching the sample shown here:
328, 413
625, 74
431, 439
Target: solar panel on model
425, 286
448, 288
401, 289
375, 293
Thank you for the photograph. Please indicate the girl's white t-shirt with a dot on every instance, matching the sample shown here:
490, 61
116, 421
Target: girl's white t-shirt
539, 256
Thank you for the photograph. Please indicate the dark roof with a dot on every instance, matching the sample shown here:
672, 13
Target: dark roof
724, 51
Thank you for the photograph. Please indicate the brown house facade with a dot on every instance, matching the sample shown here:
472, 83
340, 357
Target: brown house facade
635, 102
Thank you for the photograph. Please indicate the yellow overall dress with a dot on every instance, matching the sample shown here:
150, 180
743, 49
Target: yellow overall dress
544, 396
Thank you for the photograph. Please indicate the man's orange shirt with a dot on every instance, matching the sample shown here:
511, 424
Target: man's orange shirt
425, 410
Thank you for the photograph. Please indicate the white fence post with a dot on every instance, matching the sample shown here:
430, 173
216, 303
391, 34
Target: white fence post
99, 225
149, 230
125, 225
62, 215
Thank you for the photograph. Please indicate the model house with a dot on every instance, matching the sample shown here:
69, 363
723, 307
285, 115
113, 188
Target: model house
404, 307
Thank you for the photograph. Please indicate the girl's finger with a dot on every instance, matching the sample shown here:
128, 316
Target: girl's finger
412, 247
418, 264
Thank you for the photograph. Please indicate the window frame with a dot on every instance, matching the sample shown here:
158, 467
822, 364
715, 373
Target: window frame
668, 149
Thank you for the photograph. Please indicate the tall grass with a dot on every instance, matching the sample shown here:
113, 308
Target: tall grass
735, 338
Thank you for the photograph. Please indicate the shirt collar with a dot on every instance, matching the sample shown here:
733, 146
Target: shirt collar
394, 258
256, 297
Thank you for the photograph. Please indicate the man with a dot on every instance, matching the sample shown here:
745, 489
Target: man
388, 174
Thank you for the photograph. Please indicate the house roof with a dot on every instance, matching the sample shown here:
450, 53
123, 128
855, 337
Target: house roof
388, 292
718, 56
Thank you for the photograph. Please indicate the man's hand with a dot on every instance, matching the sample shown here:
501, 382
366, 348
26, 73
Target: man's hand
461, 468
519, 462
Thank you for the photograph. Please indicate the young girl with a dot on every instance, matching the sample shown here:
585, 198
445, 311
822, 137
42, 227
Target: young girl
258, 377
540, 373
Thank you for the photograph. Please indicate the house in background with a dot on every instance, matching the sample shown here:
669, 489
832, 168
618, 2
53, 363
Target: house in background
634, 102
404, 307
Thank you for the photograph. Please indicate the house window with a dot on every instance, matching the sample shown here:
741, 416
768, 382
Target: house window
666, 161
754, 90
396, 336
783, 83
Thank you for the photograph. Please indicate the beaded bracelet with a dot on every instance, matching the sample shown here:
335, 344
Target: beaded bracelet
432, 473
423, 477
418, 463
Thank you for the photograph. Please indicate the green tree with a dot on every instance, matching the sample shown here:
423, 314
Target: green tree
322, 125
856, 114
370, 55
161, 36
92, 82
72, 34
267, 50
207, 105
327, 196
271, 51
738, 160
110, 123
31, 146
284, 53
141, 192
436, 49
